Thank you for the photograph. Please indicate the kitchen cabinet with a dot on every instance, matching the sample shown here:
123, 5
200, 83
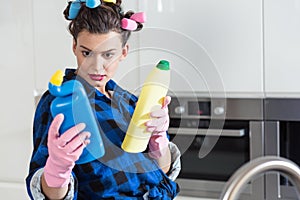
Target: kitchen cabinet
214, 46
17, 103
53, 46
282, 48
228, 47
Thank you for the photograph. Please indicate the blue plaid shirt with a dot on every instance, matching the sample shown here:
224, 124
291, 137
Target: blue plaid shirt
117, 175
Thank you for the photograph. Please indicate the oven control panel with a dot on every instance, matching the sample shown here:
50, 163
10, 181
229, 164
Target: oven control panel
216, 108
194, 108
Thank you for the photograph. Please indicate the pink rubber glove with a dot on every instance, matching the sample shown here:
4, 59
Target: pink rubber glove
158, 143
63, 150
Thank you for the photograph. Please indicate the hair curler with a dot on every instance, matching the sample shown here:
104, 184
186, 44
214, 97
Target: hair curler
139, 17
92, 3
74, 9
128, 24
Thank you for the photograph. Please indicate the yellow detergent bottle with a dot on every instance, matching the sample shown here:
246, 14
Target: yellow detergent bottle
154, 90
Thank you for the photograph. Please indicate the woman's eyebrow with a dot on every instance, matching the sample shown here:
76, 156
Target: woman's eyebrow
85, 48
109, 50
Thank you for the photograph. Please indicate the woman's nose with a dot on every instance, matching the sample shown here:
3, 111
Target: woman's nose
99, 63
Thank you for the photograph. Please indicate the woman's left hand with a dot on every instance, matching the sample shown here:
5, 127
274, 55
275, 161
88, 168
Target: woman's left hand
158, 125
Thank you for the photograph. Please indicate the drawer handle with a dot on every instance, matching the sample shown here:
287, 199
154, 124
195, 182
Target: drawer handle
208, 132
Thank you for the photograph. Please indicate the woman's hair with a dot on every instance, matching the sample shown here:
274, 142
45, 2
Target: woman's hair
100, 20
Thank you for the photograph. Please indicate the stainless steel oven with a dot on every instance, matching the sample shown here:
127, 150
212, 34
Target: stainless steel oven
216, 136
282, 136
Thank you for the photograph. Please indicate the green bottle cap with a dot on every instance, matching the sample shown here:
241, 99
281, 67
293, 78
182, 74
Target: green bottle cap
163, 65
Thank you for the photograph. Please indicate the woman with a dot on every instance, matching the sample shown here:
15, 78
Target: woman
100, 31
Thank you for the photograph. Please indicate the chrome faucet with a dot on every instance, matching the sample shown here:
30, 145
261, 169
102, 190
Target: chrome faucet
256, 167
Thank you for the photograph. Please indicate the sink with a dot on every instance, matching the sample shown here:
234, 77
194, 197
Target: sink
256, 167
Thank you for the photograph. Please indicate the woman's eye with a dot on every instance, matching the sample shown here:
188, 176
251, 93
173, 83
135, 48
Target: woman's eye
86, 53
108, 55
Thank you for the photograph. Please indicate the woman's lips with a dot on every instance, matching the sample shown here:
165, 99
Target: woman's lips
96, 77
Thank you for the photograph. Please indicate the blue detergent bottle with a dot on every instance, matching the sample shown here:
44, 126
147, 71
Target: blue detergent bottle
72, 101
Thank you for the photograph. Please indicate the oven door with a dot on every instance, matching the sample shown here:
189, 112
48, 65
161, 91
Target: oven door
234, 145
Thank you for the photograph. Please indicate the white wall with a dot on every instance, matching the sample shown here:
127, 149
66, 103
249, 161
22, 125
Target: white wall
52, 41
16, 86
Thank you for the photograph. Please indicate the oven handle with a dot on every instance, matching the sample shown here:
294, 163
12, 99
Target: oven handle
208, 132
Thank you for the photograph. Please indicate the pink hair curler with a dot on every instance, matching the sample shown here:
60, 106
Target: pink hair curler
128, 24
139, 17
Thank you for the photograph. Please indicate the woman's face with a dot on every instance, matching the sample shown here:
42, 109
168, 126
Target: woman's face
98, 57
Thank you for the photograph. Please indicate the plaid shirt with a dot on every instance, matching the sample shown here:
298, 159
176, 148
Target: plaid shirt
118, 174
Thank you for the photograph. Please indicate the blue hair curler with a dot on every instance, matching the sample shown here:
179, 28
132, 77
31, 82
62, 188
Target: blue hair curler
76, 5
74, 9
92, 3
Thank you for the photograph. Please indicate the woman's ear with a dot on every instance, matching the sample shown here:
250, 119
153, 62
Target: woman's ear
124, 52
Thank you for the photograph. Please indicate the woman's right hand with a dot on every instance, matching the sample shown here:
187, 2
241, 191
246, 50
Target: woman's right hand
63, 150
